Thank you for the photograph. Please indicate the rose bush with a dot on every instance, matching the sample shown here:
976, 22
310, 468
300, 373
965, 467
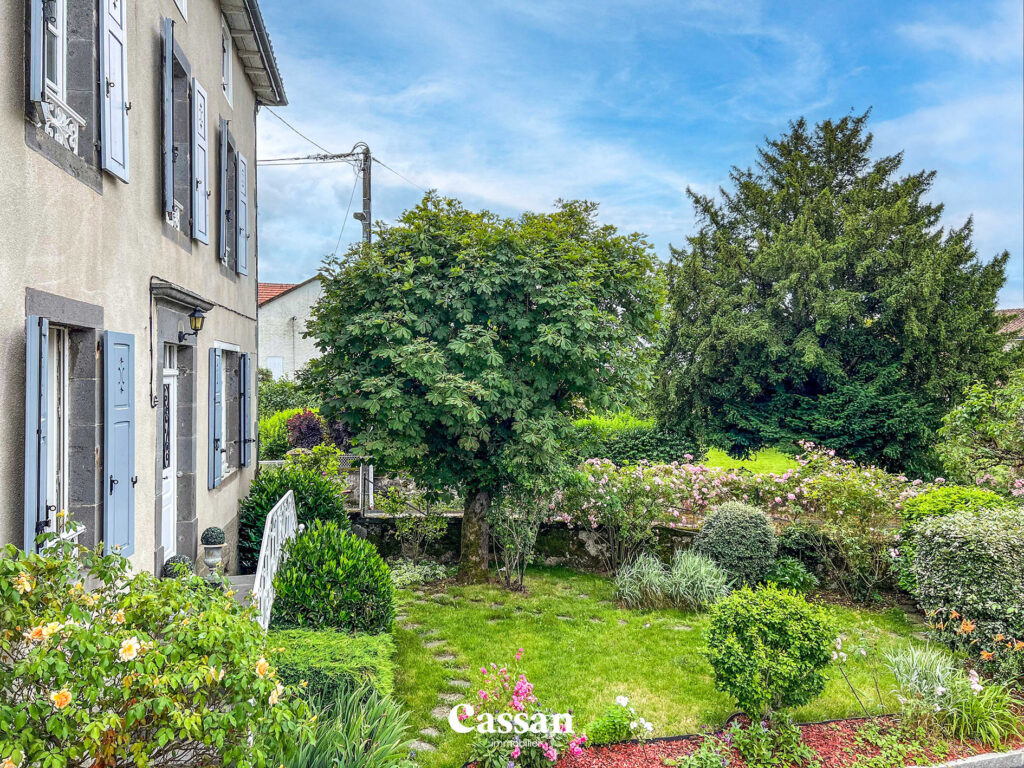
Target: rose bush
133, 670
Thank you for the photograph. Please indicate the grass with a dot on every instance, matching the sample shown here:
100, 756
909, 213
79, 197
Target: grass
583, 664
768, 460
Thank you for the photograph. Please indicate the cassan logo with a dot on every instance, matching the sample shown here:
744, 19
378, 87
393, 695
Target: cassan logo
506, 722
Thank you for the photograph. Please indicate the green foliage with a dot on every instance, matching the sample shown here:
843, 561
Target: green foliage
610, 726
177, 566
358, 729
775, 744
330, 578
405, 573
934, 691
274, 434
624, 439
323, 459
790, 573
769, 649
329, 661
515, 521
460, 345
316, 498
740, 539
973, 564
937, 502
712, 753
417, 522
981, 439
809, 544
821, 299
134, 671
273, 396
691, 582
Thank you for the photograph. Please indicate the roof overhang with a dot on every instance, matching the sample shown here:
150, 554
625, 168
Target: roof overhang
255, 50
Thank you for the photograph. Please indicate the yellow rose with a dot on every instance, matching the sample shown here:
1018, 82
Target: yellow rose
129, 649
9, 763
262, 667
119, 617
61, 698
24, 584
275, 694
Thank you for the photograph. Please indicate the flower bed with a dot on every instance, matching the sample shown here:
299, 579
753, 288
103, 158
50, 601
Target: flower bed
836, 744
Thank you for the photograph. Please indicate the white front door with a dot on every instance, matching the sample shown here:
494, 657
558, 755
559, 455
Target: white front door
169, 454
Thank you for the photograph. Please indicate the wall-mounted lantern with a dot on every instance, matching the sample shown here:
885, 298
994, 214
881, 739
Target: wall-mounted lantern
195, 322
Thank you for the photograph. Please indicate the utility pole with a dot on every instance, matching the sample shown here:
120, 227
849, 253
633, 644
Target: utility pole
366, 215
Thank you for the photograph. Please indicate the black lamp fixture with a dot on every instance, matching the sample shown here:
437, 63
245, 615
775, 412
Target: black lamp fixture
195, 322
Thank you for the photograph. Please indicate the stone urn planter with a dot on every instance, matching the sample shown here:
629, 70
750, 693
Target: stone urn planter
213, 547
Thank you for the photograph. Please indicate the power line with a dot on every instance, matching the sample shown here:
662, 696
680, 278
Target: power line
297, 131
344, 221
404, 178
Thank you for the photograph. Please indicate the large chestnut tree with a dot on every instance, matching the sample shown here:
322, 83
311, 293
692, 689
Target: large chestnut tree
459, 346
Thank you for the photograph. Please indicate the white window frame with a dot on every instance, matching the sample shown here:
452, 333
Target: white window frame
225, 466
58, 369
183, 8
58, 28
227, 49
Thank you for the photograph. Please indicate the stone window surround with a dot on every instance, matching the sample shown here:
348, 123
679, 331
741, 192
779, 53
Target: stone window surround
84, 322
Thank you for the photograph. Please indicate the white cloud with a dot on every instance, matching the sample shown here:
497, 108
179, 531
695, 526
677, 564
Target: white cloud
995, 39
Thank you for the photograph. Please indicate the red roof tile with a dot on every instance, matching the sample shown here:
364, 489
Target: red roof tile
1013, 321
268, 291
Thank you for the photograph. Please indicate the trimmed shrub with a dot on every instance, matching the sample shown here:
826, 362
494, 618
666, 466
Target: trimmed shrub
625, 439
740, 539
316, 498
324, 459
213, 536
937, 502
177, 566
330, 578
330, 661
973, 564
790, 573
274, 435
769, 649
306, 429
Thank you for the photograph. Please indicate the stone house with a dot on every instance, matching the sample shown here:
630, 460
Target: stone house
284, 311
128, 213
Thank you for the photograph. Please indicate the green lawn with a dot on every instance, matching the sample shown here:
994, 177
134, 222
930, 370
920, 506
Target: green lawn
768, 460
585, 661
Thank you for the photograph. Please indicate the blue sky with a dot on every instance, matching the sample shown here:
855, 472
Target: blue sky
511, 104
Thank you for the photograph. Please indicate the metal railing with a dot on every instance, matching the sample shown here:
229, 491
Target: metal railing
282, 524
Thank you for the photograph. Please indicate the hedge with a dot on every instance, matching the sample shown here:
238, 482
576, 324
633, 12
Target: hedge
328, 660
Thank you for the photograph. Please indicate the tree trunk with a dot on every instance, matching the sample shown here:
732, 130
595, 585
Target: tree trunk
475, 538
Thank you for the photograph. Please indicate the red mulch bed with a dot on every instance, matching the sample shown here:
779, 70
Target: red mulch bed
835, 744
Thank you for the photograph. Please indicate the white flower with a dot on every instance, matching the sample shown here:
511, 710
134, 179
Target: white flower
649, 727
129, 649
632, 726
940, 691
842, 656
834, 655
622, 701
275, 694
863, 652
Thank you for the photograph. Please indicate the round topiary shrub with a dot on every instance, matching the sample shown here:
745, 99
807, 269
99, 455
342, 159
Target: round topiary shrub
331, 578
769, 649
938, 502
740, 539
316, 498
177, 565
972, 563
213, 536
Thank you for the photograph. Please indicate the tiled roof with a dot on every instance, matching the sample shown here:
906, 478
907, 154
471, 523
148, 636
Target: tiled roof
1013, 321
268, 291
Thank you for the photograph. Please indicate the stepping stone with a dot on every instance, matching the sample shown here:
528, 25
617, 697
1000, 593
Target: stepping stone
421, 746
445, 657
430, 732
418, 592
596, 620
450, 698
433, 644
411, 626
440, 712
564, 618
647, 625
427, 633
401, 617
583, 596
623, 622
459, 683
493, 621
496, 606
681, 628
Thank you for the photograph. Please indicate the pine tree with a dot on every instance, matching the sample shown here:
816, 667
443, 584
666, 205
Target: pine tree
820, 299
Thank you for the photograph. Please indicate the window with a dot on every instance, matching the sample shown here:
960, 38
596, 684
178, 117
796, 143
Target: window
226, 48
57, 418
55, 47
234, 203
230, 428
185, 141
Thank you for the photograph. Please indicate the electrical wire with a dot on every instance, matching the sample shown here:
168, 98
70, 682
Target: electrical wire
404, 178
351, 197
297, 131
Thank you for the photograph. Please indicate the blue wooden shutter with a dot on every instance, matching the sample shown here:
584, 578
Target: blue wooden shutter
168, 115
245, 409
36, 79
200, 165
37, 334
224, 203
114, 75
119, 442
216, 406
242, 214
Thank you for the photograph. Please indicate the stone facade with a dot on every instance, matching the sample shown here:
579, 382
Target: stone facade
91, 253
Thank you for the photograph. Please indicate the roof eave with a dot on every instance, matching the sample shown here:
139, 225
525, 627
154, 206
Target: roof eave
252, 43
